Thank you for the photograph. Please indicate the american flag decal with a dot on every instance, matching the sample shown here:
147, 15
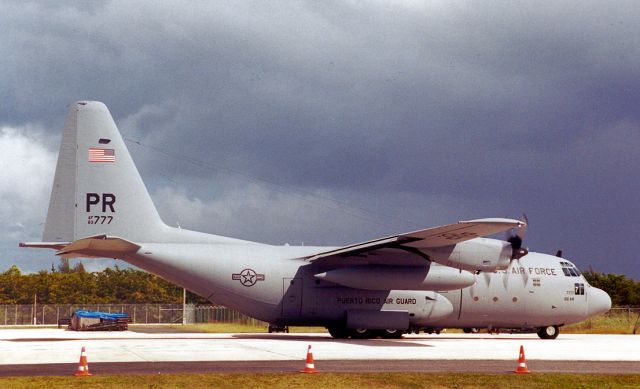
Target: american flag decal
101, 155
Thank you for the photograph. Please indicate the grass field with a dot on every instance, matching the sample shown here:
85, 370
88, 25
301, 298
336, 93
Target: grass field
604, 324
330, 380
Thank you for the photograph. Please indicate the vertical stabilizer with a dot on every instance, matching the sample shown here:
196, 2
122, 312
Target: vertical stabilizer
97, 188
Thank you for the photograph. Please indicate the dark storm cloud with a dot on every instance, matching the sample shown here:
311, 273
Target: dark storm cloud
432, 112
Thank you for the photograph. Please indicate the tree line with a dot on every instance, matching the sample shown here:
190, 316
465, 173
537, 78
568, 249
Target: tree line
74, 285
624, 291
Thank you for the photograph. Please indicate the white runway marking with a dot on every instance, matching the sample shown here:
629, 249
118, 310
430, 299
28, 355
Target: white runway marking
39, 346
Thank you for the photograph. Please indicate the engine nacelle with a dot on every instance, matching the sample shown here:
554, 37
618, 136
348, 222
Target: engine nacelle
481, 254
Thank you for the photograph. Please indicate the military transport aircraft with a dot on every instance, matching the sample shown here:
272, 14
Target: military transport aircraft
444, 277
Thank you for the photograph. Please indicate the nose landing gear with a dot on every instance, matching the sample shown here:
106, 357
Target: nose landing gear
549, 332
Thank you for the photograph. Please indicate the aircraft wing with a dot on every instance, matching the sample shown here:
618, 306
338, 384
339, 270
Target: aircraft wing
413, 242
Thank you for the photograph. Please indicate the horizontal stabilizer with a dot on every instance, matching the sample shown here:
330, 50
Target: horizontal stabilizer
99, 246
44, 245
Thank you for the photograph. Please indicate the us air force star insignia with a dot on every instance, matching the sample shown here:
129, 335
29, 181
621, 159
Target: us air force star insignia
247, 277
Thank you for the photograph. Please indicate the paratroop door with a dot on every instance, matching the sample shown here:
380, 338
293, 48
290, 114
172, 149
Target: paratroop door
291, 297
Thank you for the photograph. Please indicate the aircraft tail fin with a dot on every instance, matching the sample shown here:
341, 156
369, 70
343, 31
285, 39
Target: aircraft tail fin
97, 189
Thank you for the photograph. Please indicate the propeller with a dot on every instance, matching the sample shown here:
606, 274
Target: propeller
516, 239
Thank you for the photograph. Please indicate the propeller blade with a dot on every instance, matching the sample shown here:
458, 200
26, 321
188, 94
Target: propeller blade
522, 230
516, 239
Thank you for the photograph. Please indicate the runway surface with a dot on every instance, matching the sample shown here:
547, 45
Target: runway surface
56, 352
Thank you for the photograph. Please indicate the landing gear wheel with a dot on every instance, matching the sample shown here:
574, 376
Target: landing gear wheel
338, 332
391, 334
470, 330
361, 333
550, 332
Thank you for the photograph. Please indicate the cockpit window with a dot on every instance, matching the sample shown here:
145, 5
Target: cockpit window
569, 269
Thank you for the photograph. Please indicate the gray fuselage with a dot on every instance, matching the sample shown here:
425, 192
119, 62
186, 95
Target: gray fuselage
273, 284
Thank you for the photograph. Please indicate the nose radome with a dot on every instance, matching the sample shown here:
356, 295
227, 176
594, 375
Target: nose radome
599, 301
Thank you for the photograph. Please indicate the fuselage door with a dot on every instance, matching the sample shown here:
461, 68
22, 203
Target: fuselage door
291, 297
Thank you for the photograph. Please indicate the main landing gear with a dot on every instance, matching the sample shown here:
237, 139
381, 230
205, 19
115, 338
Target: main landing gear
549, 332
277, 328
339, 332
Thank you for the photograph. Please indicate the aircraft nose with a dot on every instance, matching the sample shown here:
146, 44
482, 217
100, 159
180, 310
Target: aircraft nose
599, 301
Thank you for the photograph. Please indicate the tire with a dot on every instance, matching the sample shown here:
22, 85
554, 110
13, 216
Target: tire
361, 333
549, 332
391, 334
338, 332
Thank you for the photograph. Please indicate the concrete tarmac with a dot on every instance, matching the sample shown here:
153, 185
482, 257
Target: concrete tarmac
57, 351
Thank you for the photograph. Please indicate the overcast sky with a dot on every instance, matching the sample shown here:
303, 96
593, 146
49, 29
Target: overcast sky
330, 123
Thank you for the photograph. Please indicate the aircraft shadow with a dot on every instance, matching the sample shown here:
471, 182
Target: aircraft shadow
326, 339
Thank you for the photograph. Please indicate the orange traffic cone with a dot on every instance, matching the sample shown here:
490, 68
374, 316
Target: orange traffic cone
309, 367
83, 366
522, 363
